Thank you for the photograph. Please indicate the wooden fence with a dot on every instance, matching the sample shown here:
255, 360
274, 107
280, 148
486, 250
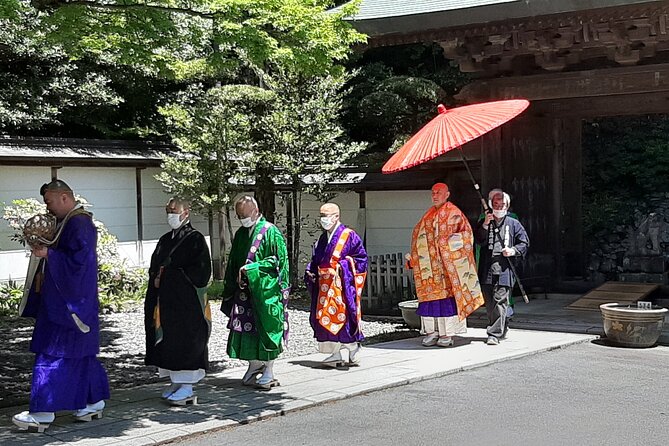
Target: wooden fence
388, 283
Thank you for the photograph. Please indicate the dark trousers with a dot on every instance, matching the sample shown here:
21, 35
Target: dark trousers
496, 304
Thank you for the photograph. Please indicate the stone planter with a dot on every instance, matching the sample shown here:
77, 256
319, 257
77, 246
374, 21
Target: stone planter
629, 326
408, 309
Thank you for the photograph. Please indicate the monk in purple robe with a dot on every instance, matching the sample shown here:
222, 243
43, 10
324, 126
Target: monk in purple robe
63, 299
335, 278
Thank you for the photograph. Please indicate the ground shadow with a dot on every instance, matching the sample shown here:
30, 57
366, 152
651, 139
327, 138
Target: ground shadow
604, 342
222, 401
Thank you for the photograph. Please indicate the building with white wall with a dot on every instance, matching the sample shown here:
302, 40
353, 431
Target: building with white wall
118, 179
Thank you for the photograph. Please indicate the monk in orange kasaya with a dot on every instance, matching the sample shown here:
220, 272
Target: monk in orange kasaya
442, 258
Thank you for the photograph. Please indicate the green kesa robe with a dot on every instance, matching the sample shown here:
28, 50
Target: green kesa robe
257, 335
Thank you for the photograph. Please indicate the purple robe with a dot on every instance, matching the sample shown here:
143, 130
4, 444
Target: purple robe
353, 248
67, 374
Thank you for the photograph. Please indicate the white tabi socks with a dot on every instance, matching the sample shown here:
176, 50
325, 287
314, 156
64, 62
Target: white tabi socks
335, 359
36, 420
267, 380
354, 349
251, 376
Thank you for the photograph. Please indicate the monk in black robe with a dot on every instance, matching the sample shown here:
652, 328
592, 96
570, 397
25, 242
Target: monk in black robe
176, 311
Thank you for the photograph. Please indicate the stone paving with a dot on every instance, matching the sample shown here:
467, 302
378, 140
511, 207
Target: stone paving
138, 416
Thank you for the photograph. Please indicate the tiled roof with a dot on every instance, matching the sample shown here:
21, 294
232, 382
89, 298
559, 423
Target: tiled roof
382, 17
374, 9
47, 150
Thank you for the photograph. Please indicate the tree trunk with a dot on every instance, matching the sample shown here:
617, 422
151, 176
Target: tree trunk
229, 222
215, 251
265, 194
222, 244
297, 219
290, 238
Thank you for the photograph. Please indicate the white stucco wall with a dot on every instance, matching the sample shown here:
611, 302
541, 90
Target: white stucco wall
17, 182
389, 216
113, 196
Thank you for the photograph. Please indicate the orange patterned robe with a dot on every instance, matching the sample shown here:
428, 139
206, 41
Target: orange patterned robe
442, 257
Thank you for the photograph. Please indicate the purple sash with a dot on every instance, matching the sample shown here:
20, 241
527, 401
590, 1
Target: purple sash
241, 318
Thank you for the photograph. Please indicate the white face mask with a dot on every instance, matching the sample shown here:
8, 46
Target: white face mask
174, 220
501, 213
246, 222
327, 222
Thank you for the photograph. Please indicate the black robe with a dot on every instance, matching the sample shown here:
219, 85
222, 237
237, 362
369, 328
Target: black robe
491, 253
185, 329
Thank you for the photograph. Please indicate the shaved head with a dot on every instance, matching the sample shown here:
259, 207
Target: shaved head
440, 194
247, 206
329, 209
177, 205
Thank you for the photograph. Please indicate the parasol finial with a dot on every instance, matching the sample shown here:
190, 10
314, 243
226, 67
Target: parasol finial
441, 109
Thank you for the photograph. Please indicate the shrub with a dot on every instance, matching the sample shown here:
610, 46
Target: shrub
118, 283
10, 297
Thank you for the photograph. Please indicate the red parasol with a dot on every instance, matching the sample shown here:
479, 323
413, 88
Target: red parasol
451, 129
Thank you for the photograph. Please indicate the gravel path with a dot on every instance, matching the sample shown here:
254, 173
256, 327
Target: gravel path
122, 347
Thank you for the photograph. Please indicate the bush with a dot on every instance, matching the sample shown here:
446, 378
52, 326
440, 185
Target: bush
10, 298
118, 283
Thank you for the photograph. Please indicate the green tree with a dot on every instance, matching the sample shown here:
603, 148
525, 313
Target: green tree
305, 144
37, 82
395, 91
215, 132
624, 163
203, 38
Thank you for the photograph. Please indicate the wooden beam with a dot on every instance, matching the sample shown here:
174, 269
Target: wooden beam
578, 84
637, 104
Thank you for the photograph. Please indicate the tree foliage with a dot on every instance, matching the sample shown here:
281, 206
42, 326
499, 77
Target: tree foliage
396, 91
232, 135
202, 38
217, 132
625, 163
37, 82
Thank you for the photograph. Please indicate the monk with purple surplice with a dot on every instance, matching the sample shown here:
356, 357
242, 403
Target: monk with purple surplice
335, 278
63, 299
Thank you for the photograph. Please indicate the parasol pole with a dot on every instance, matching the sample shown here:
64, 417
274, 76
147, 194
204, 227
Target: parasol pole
496, 230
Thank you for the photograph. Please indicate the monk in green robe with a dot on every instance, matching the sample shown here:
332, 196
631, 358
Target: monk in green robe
255, 294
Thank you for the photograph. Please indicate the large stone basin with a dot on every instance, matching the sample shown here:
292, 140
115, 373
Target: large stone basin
408, 309
629, 326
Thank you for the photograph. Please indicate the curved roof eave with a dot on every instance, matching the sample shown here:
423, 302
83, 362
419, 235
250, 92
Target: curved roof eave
381, 17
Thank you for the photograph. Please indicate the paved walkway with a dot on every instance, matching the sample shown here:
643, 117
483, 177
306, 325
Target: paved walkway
549, 312
138, 416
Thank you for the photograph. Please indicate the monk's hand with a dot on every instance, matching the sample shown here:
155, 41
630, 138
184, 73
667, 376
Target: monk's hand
508, 252
488, 218
40, 251
311, 276
240, 275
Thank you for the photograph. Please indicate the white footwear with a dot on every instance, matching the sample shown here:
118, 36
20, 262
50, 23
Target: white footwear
492, 340
36, 420
353, 353
334, 360
183, 396
444, 341
173, 387
90, 412
267, 380
431, 339
251, 375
